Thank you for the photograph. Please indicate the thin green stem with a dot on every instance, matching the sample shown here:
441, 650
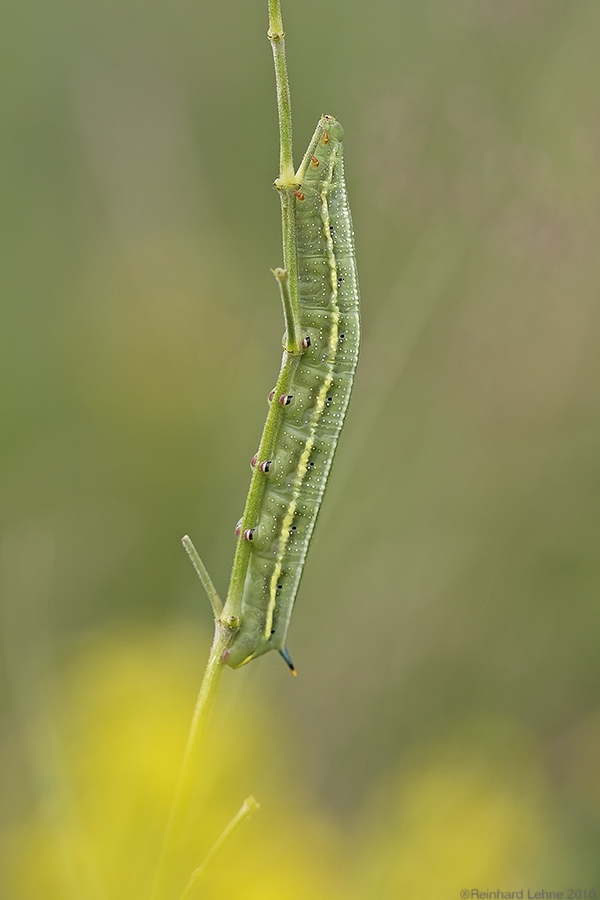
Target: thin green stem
286, 184
293, 335
276, 36
233, 604
290, 261
227, 618
185, 783
202, 572
248, 806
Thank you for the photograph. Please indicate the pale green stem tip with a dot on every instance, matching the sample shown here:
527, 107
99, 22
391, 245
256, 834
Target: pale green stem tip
292, 340
215, 600
248, 806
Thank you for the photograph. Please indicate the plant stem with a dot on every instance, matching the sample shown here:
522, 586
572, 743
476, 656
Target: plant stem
202, 572
286, 184
276, 36
185, 783
248, 806
282, 279
227, 620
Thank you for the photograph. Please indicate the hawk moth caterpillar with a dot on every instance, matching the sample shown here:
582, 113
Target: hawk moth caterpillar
308, 406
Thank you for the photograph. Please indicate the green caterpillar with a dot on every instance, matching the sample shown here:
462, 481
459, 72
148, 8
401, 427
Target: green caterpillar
311, 398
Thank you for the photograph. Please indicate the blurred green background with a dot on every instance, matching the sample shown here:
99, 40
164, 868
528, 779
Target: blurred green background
444, 730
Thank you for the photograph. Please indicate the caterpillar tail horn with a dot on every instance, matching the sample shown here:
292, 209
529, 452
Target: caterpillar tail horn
288, 659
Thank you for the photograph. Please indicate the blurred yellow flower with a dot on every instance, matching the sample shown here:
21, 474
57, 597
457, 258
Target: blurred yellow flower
96, 831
